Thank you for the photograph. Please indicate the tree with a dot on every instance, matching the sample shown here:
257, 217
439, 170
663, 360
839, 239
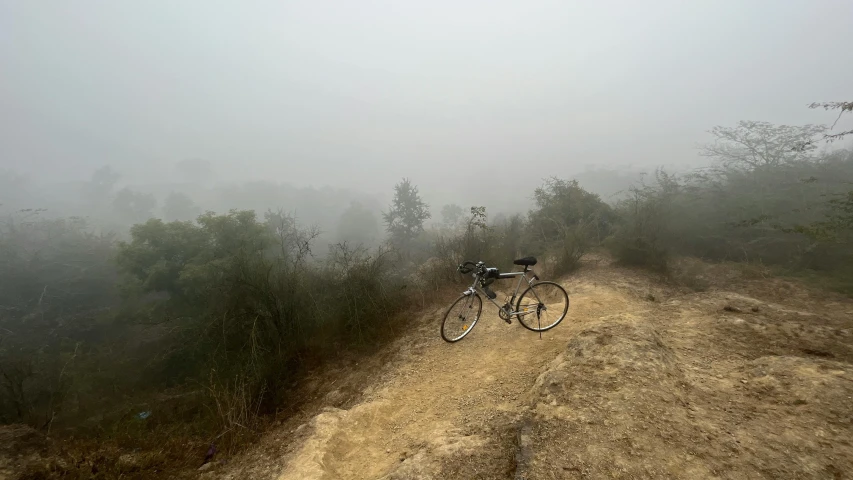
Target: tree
643, 235
752, 144
477, 236
195, 170
358, 225
134, 206
179, 206
292, 242
842, 107
13, 189
100, 187
478, 218
561, 203
840, 219
57, 286
450, 215
180, 257
243, 300
405, 217
567, 221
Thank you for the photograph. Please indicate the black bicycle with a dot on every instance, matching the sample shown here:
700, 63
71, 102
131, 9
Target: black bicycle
540, 307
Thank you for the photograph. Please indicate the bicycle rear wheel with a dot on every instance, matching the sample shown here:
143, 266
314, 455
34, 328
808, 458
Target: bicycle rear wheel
542, 306
461, 317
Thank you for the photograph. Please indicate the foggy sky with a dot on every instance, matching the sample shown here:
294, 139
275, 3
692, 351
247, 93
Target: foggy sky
467, 98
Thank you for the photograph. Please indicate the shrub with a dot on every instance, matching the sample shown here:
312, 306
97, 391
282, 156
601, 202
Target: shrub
247, 303
643, 235
562, 205
56, 284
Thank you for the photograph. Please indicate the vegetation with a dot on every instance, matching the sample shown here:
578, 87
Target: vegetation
56, 281
643, 235
450, 215
763, 200
567, 222
216, 314
228, 303
404, 220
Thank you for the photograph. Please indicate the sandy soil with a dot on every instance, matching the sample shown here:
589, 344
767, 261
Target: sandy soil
750, 379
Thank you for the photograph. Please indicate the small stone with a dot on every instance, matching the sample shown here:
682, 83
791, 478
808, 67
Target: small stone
743, 381
128, 462
206, 466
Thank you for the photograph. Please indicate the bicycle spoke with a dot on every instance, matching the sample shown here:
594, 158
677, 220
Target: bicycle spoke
542, 306
461, 317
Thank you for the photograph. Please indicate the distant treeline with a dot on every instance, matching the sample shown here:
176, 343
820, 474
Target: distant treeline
207, 318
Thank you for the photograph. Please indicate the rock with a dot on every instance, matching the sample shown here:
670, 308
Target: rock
205, 467
128, 462
18, 439
21, 450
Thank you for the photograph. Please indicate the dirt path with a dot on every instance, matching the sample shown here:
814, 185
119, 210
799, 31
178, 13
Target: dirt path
447, 401
652, 384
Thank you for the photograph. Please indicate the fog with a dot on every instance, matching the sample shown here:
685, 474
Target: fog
469, 99
212, 211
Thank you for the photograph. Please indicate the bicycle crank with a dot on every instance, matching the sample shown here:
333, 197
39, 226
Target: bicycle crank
503, 312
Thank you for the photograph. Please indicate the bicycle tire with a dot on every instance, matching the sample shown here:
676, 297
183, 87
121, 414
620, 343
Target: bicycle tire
475, 299
536, 300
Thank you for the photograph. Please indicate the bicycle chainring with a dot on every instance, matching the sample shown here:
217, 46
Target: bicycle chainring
503, 313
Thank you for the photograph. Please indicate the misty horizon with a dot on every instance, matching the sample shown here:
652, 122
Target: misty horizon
472, 101
237, 239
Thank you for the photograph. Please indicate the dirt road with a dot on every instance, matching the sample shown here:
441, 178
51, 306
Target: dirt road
642, 380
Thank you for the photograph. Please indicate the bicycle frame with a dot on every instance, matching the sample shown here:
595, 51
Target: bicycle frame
475, 288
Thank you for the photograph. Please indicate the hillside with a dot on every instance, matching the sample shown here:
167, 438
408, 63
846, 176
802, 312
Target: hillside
748, 379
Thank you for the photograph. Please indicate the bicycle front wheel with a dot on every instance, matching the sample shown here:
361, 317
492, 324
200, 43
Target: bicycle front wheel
542, 306
461, 317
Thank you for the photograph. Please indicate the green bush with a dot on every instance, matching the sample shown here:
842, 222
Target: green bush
793, 215
562, 205
565, 224
643, 235
570, 247
247, 303
229, 302
57, 286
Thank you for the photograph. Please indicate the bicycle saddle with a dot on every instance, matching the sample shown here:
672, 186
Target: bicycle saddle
526, 261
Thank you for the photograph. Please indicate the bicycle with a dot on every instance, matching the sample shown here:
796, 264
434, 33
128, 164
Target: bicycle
547, 300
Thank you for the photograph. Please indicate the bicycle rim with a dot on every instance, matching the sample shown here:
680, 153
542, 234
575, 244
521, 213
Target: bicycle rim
542, 306
461, 317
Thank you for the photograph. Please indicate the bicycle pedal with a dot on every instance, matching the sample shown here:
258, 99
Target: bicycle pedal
508, 321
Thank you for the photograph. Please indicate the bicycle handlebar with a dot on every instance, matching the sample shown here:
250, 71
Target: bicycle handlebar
466, 267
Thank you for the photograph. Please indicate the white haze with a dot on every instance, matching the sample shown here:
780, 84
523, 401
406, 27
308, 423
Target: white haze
470, 99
